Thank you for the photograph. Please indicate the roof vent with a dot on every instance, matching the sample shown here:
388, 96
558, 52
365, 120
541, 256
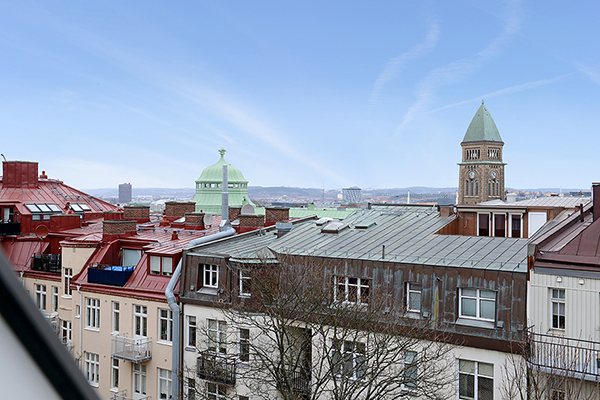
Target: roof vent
364, 225
323, 221
334, 227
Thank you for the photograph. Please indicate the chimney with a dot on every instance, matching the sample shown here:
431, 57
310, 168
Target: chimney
20, 174
43, 175
175, 236
596, 200
283, 228
511, 197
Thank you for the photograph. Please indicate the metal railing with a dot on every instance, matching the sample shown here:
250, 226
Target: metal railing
299, 380
564, 356
136, 350
46, 263
217, 368
122, 395
10, 229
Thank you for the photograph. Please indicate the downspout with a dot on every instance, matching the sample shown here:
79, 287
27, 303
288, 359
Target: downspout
225, 231
80, 328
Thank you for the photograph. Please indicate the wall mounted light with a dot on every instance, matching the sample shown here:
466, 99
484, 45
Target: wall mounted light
558, 279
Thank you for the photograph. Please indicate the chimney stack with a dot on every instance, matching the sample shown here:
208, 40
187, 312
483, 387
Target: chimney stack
596, 200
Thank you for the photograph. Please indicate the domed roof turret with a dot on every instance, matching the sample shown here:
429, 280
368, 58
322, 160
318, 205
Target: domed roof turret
214, 173
482, 127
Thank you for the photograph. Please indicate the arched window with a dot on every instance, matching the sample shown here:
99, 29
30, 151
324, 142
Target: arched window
466, 188
490, 188
476, 188
472, 188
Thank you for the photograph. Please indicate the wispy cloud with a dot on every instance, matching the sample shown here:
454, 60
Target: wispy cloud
396, 64
459, 70
591, 73
506, 91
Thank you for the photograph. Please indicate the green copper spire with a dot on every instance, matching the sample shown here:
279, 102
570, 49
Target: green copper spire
482, 127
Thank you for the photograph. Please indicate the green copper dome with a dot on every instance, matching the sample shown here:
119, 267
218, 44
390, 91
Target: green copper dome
482, 127
214, 173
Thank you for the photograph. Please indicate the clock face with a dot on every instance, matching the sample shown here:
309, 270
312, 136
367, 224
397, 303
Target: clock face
471, 174
494, 175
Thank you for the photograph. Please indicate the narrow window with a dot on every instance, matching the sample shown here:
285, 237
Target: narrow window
515, 226
115, 316
40, 297
164, 383
558, 308
92, 313
165, 321
500, 225
139, 379
140, 320
413, 297
245, 283
217, 336
484, 224
54, 299
114, 376
92, 367
191, 331
67, 281
244, 344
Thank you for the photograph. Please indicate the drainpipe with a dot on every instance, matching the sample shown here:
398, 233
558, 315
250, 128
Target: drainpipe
80, 327
175, 378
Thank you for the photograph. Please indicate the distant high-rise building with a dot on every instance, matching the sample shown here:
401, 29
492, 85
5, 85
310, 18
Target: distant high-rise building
124, 193
351, 195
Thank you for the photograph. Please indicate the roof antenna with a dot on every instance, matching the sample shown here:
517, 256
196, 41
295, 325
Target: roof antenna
3, 156
481, 101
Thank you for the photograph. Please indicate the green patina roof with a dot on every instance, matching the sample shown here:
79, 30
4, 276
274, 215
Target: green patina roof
214, 173
482, 127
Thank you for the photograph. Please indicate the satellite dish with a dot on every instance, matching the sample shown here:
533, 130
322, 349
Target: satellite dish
247, 209
41, 231
208, 219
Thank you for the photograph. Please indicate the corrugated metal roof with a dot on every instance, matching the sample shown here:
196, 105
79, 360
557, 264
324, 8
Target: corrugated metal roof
546, 201
408, 235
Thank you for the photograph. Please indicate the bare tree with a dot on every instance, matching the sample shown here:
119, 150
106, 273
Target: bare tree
309, 331
552, 367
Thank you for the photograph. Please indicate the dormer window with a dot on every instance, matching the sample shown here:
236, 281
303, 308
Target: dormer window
161, 265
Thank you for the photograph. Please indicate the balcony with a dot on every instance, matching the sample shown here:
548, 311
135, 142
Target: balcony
299, 380
122, 395
136, 350
109, 275
216, 368
564, 356
46, 263
53, 320
10, 229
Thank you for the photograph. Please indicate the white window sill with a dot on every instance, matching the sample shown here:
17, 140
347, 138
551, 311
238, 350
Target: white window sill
208, 290
91, 329
413, 314
94, 384
164, 342
189, 348
244, 295
114, 390
477, 323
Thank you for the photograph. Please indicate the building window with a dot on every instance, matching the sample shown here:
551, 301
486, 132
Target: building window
348, 358
54, 299
351, 290
40, 297
115, 316
211, 276
140, 320
165, 324
67, 281
477, 304
139, 378
515, 228
191, 331
164, 383
476, 188
216, 392
410, 372
92, 367
161, 265
114, 375
413, 297
191, 392
92, 313
245, 283
558, 308
500, 225
475, 381
483, 224
244, 344
217, 336
65, 333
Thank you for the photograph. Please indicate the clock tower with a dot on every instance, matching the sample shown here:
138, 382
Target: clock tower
481, 172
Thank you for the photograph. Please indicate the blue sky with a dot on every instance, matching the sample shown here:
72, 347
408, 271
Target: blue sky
311, 93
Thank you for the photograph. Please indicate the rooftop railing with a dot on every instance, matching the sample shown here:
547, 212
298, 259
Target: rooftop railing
564, 356
10, 229
136, 350
217, 368
46, 263
109, 275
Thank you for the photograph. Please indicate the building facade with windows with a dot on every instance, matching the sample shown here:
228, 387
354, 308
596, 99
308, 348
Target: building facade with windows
473, 289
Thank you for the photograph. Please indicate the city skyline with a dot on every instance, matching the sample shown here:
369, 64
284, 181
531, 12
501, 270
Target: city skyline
302, 95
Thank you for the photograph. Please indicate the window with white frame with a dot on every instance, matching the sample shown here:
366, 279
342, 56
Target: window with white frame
516, 222
245, 344
413, 297
475, 380
483, 224
161, 265
40, 297
68, 275
558, 308
191, 389
92, 367
215, 391
210, 275
115, 316
245, 283
54, 299
164, 383
477, 304
140, 320
114, 373
191, 331
66, 332
348, 358
165, 324
217, 336
410, 371
139, 379
351, 290
92, 313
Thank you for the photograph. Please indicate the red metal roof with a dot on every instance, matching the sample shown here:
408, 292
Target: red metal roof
19, 252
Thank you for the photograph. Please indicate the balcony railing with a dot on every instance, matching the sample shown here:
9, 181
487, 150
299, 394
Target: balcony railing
68, 344
565, 356
53, 320
10, 229
46, 263
216, 368
122, 395
299, 380
109, 275
136, 350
